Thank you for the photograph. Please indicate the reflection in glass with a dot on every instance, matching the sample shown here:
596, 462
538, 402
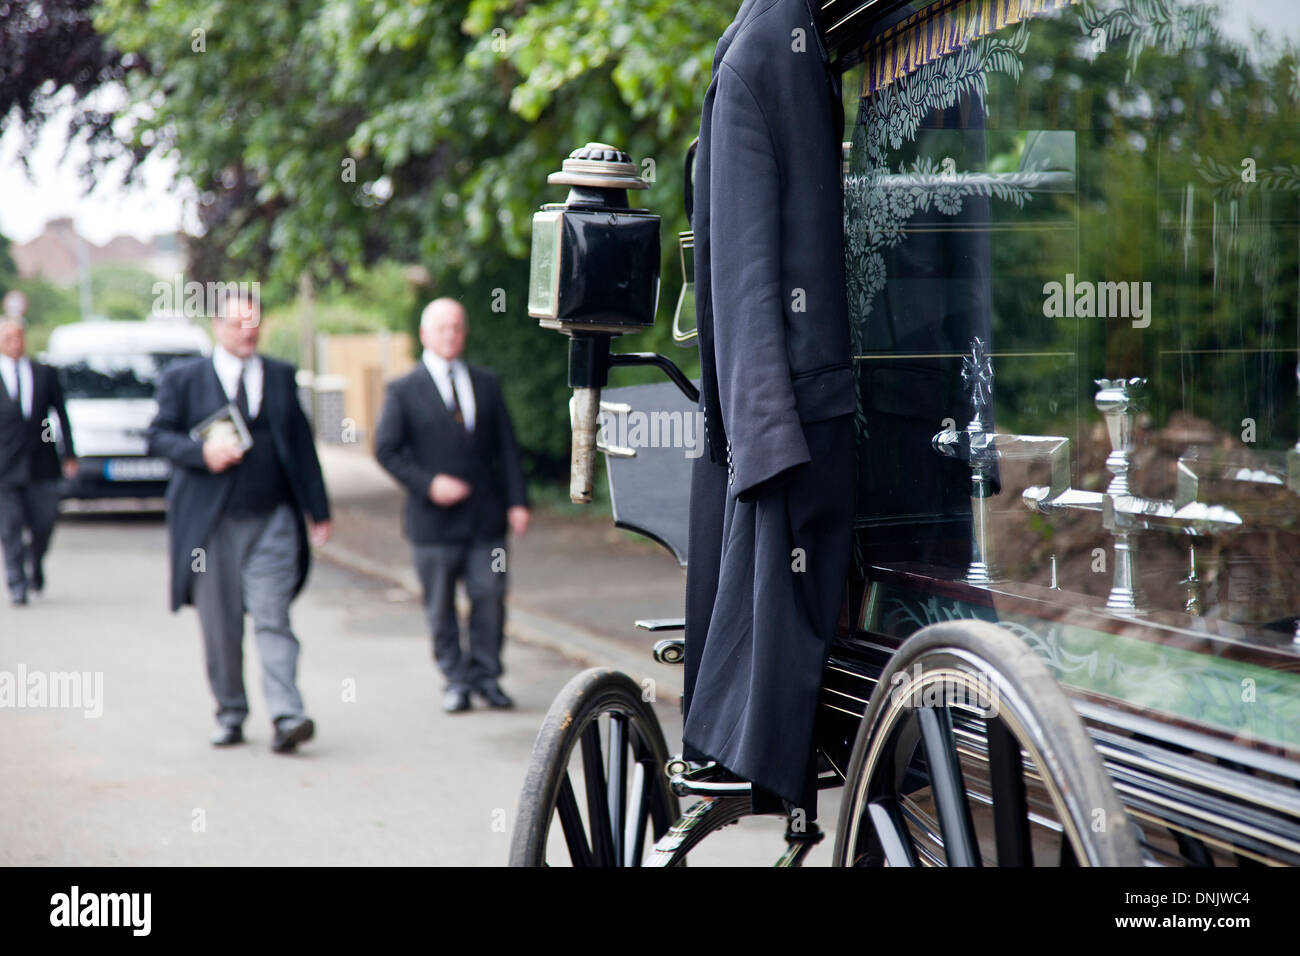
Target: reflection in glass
116, 375
1099, 193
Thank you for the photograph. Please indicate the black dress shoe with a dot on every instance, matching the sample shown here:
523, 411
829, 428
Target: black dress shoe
290, 732
494, 695
455, 700
38, 578
227, 736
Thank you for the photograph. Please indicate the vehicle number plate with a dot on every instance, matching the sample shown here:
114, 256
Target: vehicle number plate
137, 469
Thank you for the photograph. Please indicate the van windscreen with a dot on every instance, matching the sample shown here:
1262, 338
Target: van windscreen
116, 376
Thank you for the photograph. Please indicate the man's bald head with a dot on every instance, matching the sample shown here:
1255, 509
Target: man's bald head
13, 337
444, 328
14, 304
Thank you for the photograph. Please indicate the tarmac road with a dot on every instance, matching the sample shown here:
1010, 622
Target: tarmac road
390, 779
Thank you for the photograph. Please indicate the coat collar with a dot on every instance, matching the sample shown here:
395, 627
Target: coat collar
432, 360
217, 391
214, 380
432, 393
34, 369
832, 75
814, 15
17, 366
434, 396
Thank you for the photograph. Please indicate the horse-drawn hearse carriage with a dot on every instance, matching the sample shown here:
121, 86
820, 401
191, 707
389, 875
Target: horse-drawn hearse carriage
1070, 634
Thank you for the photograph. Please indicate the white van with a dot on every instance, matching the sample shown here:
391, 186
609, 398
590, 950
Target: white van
109, 372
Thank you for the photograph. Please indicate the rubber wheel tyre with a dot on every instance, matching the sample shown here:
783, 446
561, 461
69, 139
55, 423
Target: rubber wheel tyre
920, 724
620, 747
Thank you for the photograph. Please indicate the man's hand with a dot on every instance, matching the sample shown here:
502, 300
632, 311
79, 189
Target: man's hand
70, 468
518, 519
319, 532
219, 456
447, 490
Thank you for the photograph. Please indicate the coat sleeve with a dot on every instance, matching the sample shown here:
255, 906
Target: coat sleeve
168, 435
508, 454
393, 446
60, 407
765, 438
304, 452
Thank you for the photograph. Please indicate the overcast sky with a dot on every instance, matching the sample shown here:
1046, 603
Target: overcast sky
150, 206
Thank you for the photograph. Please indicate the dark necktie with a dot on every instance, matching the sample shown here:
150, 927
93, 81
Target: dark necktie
456, 412
18, 388
241, 397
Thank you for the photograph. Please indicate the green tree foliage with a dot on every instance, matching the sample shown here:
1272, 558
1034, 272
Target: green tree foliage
51, 47
48, 305
381, 298
332, 135
1162, 122
121, 292
8, 271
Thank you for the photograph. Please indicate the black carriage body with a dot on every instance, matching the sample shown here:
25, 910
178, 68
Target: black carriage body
1072, 245
1073, 291
1072, 261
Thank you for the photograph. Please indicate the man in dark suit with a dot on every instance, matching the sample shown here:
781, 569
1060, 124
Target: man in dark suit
772, 503
29, 457
238, 539
445, 434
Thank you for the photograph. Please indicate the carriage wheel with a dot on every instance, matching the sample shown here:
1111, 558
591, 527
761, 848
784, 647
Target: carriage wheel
967, 718
600, 740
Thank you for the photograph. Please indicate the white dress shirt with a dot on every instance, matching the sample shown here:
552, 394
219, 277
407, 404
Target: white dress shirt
439, 368
13, 371
229, 367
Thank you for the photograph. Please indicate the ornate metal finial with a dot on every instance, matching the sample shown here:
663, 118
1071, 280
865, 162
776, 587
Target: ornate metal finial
1192, 585
599, 166
1118, 400
977, 374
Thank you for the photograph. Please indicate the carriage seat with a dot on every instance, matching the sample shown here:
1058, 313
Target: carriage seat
650, 435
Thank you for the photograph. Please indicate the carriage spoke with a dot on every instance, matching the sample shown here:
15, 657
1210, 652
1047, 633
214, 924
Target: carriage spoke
1010, 805
891, 832
639, 803
660, 816
959, 842
617, 787
598, 726
907, 736
593, 770
920, 746
566, 804
659, 813
1067, 857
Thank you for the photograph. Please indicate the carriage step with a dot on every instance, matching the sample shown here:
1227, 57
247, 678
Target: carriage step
800, 838
662, 623
705, 816
710, 780
671, 650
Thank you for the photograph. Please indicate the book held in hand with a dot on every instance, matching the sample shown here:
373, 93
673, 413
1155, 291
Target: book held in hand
225, 426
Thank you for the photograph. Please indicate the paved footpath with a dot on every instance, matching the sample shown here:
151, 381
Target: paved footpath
390, 779
577, 583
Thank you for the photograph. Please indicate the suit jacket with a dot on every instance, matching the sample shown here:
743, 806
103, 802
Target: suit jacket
189, 393
417, 438
777, 392
773, 319
25, 456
